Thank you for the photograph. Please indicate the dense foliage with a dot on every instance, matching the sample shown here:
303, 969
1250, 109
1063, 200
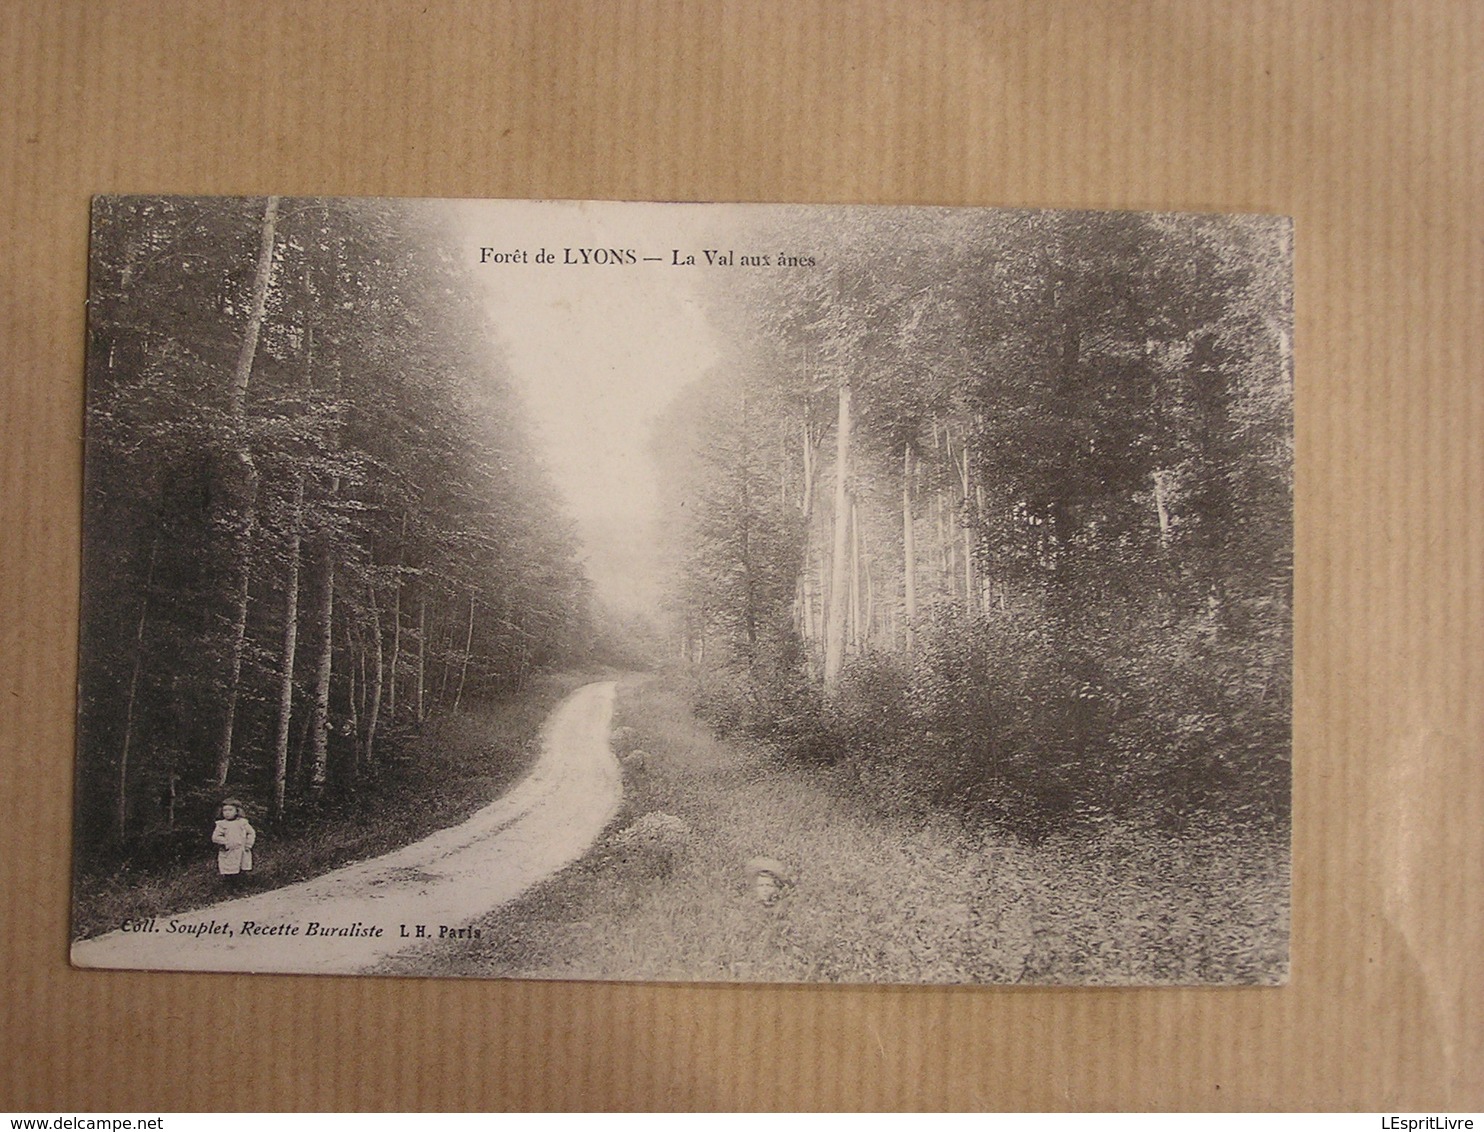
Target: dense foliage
997, 507
312, 511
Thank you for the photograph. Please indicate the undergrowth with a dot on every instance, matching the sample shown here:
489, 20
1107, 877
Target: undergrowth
871, 897
428, 777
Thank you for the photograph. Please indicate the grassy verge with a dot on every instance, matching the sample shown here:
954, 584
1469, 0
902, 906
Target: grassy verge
872, 898
429, 778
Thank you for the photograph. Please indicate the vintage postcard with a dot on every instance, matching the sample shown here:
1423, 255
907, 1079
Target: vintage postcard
686, 592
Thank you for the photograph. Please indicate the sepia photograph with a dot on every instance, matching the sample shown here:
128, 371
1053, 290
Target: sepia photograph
697, 592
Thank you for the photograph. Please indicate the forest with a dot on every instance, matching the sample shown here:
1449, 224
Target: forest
313, 512
994, 511
989, 512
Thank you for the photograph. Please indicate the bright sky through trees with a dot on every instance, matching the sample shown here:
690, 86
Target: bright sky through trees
599, 351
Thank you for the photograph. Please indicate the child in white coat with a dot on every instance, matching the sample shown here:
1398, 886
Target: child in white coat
234, 839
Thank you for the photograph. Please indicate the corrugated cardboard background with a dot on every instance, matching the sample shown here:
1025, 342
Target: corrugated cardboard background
1361, 119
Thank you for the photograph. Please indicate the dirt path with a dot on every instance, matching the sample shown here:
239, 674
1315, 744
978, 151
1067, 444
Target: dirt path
352, 918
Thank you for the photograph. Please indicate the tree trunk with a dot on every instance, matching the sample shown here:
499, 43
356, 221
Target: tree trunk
468, 644
822, 612
356, 661
121, 801
361, 680
296, 765
856, 604
374, 711
319, 725
522, 657
242, 554
804, 608
947, 560
986, 589
807, 503
242, 550
1159, 507
422, 649
355, 641
909, 549
968, 521
286, 660
801, 597
262, 277
441, 699
749, 574
783, 465
863, 552
834, 653
947, 579
391, 669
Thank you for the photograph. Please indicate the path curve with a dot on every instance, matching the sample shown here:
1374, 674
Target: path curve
374, 907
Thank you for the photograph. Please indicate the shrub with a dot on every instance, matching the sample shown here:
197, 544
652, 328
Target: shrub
652, 844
